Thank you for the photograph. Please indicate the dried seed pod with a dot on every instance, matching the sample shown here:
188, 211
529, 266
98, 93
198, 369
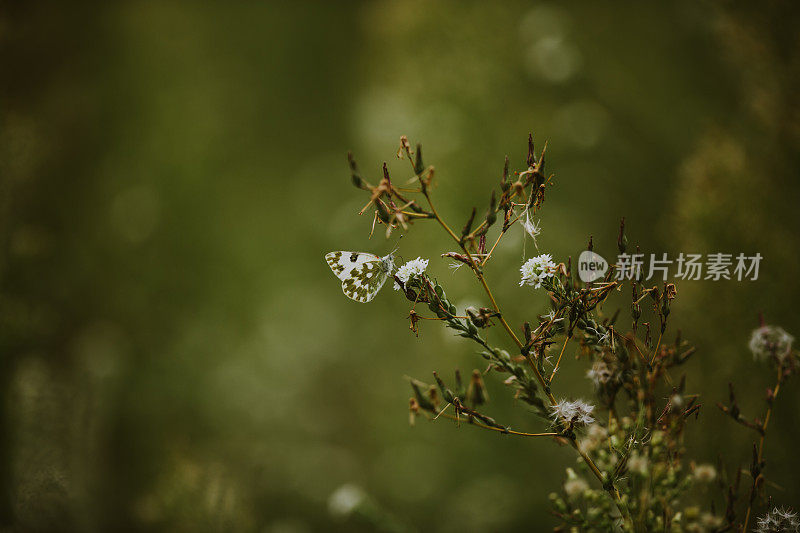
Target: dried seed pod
622, 239
468, 226
531, 156
476, 393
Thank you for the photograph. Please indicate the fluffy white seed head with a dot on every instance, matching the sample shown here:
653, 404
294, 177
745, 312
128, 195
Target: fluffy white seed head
578, 412
770, 340
344, 500
705, 473
531, 226
779, 519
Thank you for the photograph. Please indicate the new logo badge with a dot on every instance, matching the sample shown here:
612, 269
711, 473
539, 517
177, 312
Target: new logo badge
591, 266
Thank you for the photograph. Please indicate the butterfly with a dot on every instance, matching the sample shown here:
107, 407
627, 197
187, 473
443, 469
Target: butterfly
362, 274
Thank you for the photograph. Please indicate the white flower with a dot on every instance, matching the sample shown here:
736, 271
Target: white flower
578, 412
536, 269
575, 487
638, 464
778, 520
410, 270
599, 374
770, 340
595, 436
710, 521
705, 473
587, 444
345, 500
596, 431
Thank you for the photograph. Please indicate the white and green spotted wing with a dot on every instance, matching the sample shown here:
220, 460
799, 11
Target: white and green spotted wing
362, 274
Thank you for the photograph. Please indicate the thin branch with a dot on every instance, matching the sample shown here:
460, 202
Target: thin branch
761, 442
474, 422
545, 387
558, 361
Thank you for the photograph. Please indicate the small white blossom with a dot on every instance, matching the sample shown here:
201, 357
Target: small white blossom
596, 431
410, 270
770, 340
638, 464
705, 473
575, 487
710, 521
345, 500
595, 437
587, 444
536, 269
578, 412
779, 519
599, 374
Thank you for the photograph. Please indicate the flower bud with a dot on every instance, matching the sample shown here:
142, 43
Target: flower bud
468, 226
476, 393
531, 157
418, 166
355, 175
622, 239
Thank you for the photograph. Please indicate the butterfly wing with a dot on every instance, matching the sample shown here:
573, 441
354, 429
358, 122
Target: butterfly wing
343, 263
362, 274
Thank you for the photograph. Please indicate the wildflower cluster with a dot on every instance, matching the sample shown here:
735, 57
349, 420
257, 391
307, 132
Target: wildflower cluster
537, 270
410, 272
632, 472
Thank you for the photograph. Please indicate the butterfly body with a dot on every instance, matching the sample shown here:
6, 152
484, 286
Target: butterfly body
362, 274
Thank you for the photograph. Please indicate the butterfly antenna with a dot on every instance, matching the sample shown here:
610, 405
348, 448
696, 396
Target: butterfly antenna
396, 247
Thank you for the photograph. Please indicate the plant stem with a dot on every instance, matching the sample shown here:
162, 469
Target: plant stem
558, 361
416, 215
769, 413
655, 352
476, 269
502, 232
763, 436
439, 219
507, 431
613, 492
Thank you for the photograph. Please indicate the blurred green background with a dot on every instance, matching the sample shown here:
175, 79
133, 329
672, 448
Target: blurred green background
176, 354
